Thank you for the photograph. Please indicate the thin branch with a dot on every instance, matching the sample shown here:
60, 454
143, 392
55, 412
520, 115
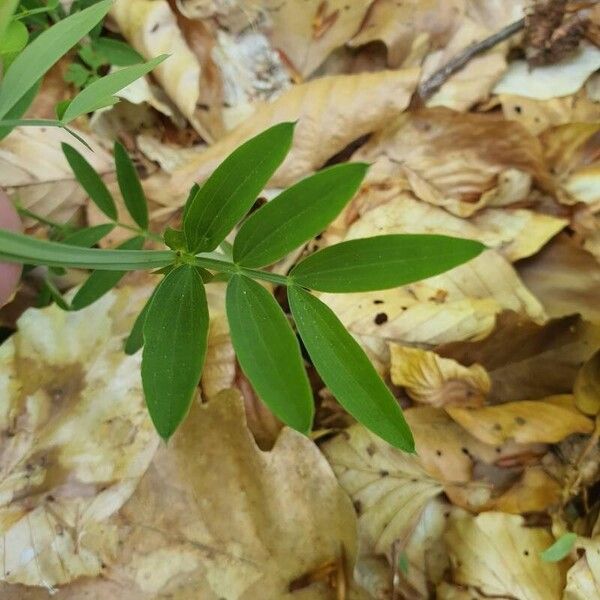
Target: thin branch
430, 85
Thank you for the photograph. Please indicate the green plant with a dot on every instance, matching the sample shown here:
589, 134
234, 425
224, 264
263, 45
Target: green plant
26, 62
173, 326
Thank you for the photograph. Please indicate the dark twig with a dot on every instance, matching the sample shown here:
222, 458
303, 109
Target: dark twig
430, 85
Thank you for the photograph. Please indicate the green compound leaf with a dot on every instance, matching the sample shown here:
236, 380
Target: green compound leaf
130, 186
296, 215
90, 181
229, 193
101, 282
35, 60
268, 352
101, 92
347, 371
560, 549
19, 248
175, 337
382, 262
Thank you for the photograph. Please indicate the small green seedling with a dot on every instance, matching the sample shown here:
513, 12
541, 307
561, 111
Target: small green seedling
173, 326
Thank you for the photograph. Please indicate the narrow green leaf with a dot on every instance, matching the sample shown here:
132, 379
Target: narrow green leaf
89, 236
382, 262
101, 282
54, 294
347, 371
136, 338
268, 352
100, 92
90, 181
228, 194
296, 215
175, 337
174, 238
19, 109
560, 549
131, 188
44, 51
25, 249
117, 52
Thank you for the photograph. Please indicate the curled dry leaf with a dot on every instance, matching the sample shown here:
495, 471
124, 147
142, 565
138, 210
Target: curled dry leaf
547, 421
306, 33
152, 29
330, 112
551, 81
431, 379
77, 439
526, 360
46, 186
497, 555
410, 30
583, 578
573, 153
462, 162
587, 386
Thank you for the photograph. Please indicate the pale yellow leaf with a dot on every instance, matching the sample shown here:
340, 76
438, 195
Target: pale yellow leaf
583, 578
497, 555
547, 421
431, 379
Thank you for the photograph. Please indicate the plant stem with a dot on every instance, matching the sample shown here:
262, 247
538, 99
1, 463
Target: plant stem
214, 262
147, 234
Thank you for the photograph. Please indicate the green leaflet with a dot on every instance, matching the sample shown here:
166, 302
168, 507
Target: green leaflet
19, 109
136, 338
90, 181
175, 336
268, 352
19, 248
228, 194
560, 549
35, 60
89, 236
296, 215
101, 282
347, 371
117, 52
382, 262
130, 186
100, 93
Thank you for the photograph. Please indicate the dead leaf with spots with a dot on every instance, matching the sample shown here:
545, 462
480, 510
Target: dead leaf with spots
583, 578
331, 113
461, 162
497, 555
306, 33
46, 186
431, 379
528, 421
76, 439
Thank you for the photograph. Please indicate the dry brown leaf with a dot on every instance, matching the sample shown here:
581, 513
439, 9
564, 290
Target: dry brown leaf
306, 33
331, 112
431, 379
461, 162
77, 438
572, 151
565, 278
538, 115
583, 578
528, 421
409, 29
497, 555
391, 493
587, 387
526, 360
46, 186
151, 28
